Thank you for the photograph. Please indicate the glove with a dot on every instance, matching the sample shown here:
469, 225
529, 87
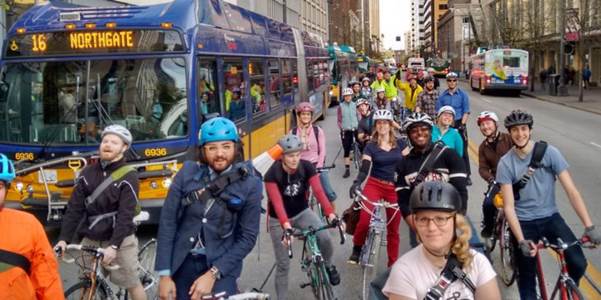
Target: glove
354, 187
525, 247
594, 234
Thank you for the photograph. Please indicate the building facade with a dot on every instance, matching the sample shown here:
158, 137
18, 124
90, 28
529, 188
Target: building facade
456, 38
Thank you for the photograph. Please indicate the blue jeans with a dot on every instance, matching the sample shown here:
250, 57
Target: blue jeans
325, 184
192, 268
552, 227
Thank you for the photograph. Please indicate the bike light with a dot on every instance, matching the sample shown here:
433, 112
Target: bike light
19, 186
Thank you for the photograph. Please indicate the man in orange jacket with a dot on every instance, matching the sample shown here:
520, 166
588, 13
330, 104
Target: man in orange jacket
28, 266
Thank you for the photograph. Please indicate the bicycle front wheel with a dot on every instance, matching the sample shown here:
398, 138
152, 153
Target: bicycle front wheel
81, 290
148, 277
324, 288
506, 249
369, 260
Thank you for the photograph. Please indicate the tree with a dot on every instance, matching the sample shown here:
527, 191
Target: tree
587, 21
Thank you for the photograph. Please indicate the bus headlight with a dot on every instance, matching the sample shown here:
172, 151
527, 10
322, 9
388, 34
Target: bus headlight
154, 185
167, 183
19, 186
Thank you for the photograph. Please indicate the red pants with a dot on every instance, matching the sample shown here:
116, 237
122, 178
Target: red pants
375, 190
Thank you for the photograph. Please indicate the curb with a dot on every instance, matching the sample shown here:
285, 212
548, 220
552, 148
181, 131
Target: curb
593, 111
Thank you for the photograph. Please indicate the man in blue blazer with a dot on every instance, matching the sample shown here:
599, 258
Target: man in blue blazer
203, 235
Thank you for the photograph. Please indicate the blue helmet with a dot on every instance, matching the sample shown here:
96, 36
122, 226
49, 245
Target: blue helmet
218, 129
7, 170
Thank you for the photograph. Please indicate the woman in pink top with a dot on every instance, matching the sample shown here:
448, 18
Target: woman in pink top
314, 141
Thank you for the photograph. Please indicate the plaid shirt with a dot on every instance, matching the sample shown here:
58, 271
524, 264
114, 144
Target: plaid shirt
427, 102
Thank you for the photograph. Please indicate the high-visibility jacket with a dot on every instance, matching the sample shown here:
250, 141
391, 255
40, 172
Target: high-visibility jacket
410, 94
23, 234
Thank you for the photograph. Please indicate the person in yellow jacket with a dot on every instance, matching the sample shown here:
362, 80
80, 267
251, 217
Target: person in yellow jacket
390, 88
411, 91
23, 237
380, 82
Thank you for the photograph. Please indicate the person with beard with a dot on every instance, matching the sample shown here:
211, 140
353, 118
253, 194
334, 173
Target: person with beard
107, 221
287, 183
490, 151
204, 237
23, 236
426, 100
535, 214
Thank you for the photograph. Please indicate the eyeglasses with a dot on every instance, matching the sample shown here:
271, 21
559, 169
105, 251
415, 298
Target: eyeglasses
438, 220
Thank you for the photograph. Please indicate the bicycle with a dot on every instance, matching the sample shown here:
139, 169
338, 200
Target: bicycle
503, 234
313, 203
312, 261
370, 252
565, 287
357, 155
93, 284
242, 296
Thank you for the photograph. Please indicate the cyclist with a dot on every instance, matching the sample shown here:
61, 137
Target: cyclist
287, 182
535, 214
426, 100
366, 123
356, 86
314, 144
380, 156
24, 237
460, 101
103, 214
380, 101
365, 88
444, 234
391, 91
204, 236
411, 90
490, 151
447, 167
445, 133
380, 81
347, 123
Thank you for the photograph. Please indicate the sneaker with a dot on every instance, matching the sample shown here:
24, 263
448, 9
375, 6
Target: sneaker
347, 173
333, 274
354, 259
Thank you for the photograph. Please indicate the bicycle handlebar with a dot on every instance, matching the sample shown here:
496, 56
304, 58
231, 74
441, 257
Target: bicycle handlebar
584, 242
97, 252
360, 197
288, 234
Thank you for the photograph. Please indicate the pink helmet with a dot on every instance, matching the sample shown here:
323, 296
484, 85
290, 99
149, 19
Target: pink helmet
304, 107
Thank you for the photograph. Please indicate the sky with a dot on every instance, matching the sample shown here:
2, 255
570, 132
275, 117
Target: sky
395, 19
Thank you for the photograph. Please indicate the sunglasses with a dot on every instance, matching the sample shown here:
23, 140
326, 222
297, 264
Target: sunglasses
452, 80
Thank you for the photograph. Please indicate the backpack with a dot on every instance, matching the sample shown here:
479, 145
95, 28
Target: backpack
315, 131
538, 153
9, 259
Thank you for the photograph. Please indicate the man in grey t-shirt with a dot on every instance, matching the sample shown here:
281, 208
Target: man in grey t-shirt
535, 214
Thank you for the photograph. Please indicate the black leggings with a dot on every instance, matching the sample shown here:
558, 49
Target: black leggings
348, 136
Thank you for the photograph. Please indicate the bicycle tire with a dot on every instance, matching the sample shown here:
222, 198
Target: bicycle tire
313, 274
369, 265
506, 250
148, 276
324, 287
77, 290
490, 243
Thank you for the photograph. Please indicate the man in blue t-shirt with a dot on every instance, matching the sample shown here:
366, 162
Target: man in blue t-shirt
535, 214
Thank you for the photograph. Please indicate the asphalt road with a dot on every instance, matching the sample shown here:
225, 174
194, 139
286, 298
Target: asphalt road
574, 132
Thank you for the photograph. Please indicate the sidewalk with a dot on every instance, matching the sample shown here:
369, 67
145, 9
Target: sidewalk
591, 100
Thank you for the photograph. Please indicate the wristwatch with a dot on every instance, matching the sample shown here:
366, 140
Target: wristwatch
215, 272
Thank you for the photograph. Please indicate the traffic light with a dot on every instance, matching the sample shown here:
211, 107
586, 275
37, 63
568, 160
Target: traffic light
398, 38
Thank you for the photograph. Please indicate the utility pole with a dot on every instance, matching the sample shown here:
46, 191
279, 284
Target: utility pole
284, 12
563, 90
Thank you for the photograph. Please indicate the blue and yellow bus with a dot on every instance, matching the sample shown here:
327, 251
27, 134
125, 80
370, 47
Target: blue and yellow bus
343, 67
70, 70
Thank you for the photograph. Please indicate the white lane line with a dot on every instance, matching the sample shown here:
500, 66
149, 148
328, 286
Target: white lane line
596, 145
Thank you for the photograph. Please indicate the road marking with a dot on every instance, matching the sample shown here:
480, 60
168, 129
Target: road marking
595, 275
596, 145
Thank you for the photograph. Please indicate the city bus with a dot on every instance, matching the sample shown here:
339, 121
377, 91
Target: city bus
440, 66
498, 70
69, 70
343, 66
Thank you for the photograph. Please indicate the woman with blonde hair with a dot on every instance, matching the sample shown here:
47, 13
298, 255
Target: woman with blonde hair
380, 157
429, 271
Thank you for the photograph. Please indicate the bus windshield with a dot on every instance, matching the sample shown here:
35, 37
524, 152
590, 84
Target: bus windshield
70, 102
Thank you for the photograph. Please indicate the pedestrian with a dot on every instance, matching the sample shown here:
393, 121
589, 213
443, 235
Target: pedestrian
287, 183
102, 208
426, 100
460, 101
527, 175
28, 266
210, 219
445, 133
347, 123
586, 76
424, 272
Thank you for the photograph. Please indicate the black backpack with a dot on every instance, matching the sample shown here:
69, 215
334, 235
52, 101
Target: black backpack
538, 153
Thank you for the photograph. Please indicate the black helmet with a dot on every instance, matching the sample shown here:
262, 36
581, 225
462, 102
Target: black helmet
435, 195
518, 117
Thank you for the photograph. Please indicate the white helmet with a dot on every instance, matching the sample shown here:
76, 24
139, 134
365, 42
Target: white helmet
119, 131
446, 109
452, 75
487, 115
380, 90
415, 118
347, 92
365, 79
383, 114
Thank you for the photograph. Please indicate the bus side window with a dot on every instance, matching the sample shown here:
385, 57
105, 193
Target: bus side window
287, 82
208, 101
275, 84
235, 106
257, 85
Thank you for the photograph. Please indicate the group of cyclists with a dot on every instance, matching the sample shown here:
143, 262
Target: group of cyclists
413, 154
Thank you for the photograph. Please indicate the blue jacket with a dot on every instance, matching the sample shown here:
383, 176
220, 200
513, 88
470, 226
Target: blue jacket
228, 236
459, 100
